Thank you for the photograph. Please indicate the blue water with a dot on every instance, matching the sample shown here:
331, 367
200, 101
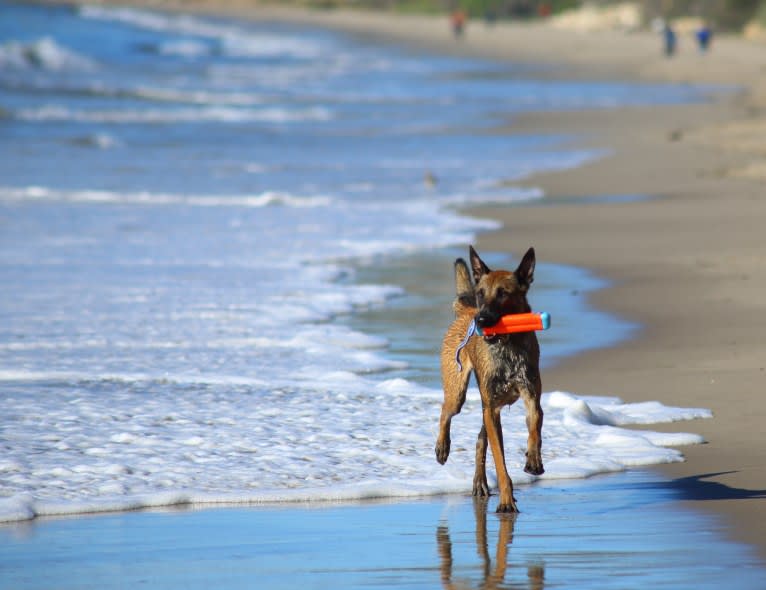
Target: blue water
208, 237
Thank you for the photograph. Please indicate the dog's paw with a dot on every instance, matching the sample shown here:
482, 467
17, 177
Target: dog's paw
534, 469
442, 450
534, 464
480, 486
507, 508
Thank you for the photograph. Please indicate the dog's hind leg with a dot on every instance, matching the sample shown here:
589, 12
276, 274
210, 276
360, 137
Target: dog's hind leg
495, 438
480, 485
455, 384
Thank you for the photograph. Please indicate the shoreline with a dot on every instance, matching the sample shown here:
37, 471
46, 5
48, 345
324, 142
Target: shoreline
684, 265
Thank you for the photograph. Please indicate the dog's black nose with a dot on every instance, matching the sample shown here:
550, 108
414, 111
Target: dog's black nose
487, 319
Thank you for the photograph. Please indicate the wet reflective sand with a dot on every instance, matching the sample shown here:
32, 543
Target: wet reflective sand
618, 531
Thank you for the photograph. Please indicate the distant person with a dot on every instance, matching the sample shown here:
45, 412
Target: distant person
669, 38
457, 19
704, 37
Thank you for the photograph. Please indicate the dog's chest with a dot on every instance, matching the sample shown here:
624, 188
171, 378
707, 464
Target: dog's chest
511, 372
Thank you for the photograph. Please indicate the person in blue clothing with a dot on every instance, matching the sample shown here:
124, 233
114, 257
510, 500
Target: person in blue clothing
669, 36
704, 36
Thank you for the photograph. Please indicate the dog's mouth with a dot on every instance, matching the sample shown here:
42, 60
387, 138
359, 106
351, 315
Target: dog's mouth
488, 338
486, 322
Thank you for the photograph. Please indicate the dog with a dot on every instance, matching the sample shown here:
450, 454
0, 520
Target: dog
506, 367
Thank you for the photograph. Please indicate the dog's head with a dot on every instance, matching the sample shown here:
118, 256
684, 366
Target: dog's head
501, 292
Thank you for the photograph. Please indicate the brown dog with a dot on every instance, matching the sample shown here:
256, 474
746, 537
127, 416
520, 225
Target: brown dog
505, 366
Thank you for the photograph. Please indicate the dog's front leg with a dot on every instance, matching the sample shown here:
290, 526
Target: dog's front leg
495, 438
455, 385
443, 440
480, 485
534, 465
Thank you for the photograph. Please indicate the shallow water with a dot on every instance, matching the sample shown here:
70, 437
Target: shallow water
428, 285
609, 532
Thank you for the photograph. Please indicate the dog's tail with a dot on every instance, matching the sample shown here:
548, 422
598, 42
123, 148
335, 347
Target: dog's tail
465, 296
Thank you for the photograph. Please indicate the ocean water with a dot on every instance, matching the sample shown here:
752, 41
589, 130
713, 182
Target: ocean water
198, 218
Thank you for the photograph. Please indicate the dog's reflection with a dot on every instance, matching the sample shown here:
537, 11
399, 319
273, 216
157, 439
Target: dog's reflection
493, 578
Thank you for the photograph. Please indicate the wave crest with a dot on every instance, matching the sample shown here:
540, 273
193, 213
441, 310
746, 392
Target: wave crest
42, 54
268, 198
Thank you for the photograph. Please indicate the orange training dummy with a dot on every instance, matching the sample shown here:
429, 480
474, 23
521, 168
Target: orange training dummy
508, 324
518, 322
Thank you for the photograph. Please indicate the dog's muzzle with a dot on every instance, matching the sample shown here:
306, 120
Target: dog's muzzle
486, 319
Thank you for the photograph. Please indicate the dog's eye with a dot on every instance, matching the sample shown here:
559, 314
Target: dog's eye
502, 294
480, 295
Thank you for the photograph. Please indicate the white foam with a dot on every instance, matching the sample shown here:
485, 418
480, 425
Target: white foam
219, 114
197, 97
269, 198
43, 54
233, 40
341, 436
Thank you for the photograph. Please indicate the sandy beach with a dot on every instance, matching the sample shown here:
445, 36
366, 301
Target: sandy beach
686, 262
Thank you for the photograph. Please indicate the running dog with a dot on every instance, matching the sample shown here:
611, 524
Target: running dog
506, 367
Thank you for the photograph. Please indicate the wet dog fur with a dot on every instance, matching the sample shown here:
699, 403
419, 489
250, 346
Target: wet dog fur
506, 368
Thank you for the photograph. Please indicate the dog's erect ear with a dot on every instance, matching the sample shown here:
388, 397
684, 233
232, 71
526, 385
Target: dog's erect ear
525, 274
477, 265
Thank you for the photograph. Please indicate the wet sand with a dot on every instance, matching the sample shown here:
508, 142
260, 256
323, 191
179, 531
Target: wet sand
609, 532
687, 265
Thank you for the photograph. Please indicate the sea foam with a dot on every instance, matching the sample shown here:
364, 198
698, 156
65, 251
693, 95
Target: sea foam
341, 437
218, 114
269, 198
232, 40
43, 54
